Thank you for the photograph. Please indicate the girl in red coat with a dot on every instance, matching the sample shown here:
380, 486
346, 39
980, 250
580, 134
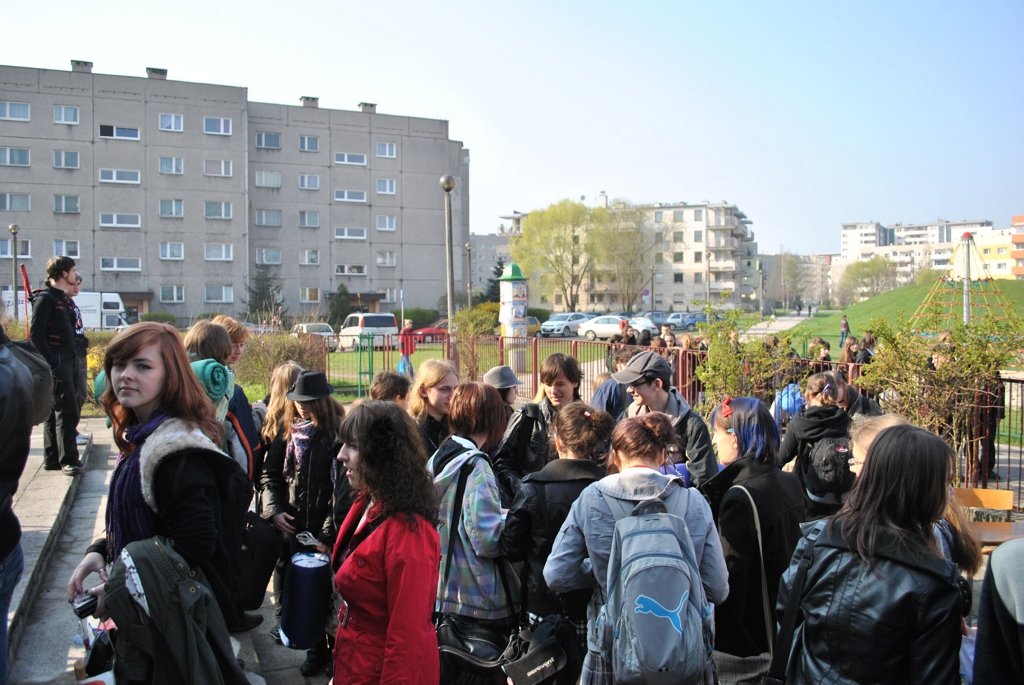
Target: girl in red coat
387, 553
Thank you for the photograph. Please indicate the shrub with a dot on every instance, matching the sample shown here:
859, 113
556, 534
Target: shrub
474, 327
421, 317
541, 314
264, 352
159, 317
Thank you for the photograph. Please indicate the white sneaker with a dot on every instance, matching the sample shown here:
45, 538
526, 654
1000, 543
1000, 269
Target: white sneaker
83, 438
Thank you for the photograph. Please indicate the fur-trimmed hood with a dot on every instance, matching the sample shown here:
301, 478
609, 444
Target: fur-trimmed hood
170, 437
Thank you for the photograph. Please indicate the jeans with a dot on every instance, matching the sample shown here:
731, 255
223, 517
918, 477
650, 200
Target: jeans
10, 573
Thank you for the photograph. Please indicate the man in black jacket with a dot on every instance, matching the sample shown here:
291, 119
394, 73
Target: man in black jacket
16, 428
54, 337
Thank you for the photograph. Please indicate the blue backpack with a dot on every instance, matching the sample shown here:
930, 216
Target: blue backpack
788, 403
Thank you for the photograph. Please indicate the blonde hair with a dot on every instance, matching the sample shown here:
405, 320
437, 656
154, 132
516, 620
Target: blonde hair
864, 429
430, 373
281, 379
236, 331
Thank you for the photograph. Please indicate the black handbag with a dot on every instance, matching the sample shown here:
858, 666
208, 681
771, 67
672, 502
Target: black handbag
261, 548
469, 645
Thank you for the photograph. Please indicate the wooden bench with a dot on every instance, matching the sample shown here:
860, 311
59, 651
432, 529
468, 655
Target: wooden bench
990, 534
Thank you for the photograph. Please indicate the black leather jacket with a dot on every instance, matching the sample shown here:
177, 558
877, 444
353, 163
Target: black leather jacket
16, 428
510, 464
896, 623
541, 505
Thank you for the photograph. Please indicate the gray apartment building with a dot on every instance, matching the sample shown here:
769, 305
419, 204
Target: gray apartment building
171, 193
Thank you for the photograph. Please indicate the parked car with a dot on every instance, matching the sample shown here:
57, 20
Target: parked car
677, 320
320, 328
642, 323
357, 329
692, 320
564, 324
532, 327
601, 327
434, 332
657, 317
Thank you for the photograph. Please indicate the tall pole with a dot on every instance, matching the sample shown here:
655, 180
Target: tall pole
652, 288
14, 279
447, 184
968, 244
707, 277
469, 275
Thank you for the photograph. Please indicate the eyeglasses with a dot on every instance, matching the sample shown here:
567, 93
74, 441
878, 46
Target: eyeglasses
640, 382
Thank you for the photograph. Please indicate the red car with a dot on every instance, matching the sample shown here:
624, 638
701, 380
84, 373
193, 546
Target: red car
437, 331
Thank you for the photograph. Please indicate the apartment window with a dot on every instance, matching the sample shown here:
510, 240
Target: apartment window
677, 257
268, 255
677, 278
386, 150
216, 210
309, 294
172, 209
309, 182
65, 204
217, 167
217, 126
266, 140
219, 293
120, 264
15, 202
65, 114
390, 295
309, 218
677, 215
987, 250
387, 258
309, 143
172, 122
698, 215
386, 222
350, 158
385, 186
349, 233
218, 252
268, 217
172, 165
114, 220
172, 293
659, 258
698, 276
658, 216
15, 156
349, 269
120, 132
309, 257
698, 256
350, 196
65, 159
66, 248
172, 251
1001, 250
698, 236
15, 111
24, 248
268, 179
678, 236
120, 176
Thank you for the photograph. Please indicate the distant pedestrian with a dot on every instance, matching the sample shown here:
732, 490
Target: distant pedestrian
54, 337
407, 347
844, 331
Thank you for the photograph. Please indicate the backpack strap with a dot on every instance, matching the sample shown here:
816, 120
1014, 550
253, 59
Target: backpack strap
760, 554
792, 615
453, 522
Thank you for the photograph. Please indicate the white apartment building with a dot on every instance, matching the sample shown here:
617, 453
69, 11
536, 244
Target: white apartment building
171, 193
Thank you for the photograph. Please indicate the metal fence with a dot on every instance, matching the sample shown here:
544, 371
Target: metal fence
988, 437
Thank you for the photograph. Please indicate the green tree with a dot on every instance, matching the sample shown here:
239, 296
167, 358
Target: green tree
865, 279
558, 245
339, 305
493, 291
623, 252
263, 295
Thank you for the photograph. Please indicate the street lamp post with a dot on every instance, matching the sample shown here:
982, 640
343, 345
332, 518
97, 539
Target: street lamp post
707, 277
14, 261
469, 275
447, 185
652, 288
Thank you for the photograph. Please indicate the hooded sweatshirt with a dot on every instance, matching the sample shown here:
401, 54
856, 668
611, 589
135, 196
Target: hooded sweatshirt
813, 424
473, 586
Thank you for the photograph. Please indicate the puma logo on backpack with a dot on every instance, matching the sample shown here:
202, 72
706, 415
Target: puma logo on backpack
827, 471
657, 622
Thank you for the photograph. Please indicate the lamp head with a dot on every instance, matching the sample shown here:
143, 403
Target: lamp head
447, 183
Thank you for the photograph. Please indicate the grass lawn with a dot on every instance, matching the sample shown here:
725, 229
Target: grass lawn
888, 305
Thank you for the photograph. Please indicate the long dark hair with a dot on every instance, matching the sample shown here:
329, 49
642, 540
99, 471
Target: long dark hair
902, 490
392, 458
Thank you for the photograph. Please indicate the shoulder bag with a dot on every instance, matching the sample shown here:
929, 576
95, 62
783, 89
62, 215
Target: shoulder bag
749, 670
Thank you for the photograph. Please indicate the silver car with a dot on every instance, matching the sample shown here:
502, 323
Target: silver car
565, 324
602, 327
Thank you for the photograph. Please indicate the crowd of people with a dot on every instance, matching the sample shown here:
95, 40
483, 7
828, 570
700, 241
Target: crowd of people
448, 505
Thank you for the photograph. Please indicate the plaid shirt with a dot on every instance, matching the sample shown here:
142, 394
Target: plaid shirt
474, 586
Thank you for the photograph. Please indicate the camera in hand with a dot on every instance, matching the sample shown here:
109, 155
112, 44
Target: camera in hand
84, 605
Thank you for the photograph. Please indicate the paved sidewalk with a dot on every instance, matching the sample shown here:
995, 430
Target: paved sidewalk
774, 324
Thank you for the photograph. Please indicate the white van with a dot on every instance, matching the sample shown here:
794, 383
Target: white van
357, 326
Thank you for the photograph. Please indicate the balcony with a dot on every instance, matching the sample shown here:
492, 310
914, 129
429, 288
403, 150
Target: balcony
722, 286
722, 265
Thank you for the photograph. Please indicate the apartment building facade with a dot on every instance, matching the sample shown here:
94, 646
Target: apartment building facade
172, 193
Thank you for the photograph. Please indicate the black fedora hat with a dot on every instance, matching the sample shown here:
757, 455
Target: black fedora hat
309, 386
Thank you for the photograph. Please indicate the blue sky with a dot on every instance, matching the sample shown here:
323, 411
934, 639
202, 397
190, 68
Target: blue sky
804, 114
